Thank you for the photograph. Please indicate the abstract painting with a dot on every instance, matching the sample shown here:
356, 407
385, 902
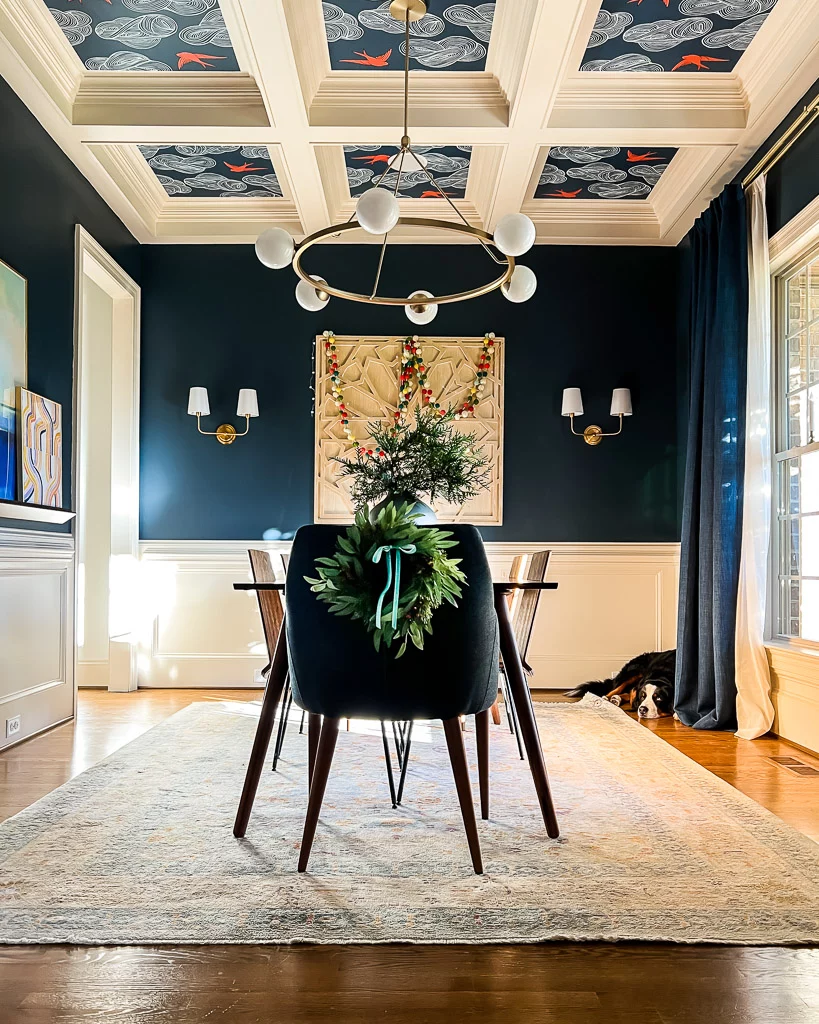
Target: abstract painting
449, 165
13, 312
40, 449
602, 172
361, 34
147, 35
208, 172
673, 35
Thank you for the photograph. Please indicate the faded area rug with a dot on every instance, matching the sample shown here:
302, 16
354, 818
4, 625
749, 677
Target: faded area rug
139, 849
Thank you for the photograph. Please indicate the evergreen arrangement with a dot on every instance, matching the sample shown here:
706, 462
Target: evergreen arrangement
411, 560
429, 457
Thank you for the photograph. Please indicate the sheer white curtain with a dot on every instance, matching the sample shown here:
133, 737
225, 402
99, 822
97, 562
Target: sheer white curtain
755, 712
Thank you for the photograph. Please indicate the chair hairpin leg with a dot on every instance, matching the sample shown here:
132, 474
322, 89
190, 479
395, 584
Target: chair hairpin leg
301, 724
284, 713
457, 756
272, 696
388, 759
511, 715
407, 745
324, 759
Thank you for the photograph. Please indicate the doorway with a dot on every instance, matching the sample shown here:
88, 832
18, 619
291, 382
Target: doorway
106, 467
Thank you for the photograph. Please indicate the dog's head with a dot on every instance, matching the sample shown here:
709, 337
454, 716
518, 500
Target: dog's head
654, 699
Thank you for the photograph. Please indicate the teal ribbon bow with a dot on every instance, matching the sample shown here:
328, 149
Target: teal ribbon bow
408, 549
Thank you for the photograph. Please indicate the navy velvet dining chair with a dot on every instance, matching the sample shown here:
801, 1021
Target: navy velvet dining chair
336, 672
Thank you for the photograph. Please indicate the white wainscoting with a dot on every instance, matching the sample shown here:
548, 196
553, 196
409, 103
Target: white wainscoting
614, 601
36, 630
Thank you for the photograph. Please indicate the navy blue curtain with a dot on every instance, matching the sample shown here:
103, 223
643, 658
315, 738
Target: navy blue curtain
715, 463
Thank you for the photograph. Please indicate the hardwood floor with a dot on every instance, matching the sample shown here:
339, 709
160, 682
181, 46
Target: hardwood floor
569, 984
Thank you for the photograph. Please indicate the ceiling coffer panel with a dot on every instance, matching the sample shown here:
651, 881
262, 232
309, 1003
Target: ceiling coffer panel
602, 172
146, 35
448, 165
673, 35
362, 34
214, 172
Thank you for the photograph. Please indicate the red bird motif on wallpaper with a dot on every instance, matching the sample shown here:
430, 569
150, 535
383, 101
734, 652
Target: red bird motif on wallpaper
638, 2
196, 58
368, 61
699, 62
640, 158
241, 168
378, 158
563, 194
435, 194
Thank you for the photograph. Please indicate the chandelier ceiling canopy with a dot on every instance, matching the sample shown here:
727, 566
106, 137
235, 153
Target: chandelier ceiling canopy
378, 212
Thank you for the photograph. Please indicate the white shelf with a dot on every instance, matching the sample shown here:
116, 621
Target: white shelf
22, 510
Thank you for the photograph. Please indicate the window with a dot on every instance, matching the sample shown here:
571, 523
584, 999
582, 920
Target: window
796, 478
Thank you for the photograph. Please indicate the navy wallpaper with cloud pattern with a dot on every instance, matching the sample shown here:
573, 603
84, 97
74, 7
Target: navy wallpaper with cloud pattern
449, 165
602, 172
146, 35
450, 37
208, 172
673, 35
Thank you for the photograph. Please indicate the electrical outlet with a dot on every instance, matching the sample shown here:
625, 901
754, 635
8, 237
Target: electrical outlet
12, 726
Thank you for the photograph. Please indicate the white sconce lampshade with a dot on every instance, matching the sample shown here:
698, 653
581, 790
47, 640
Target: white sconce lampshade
248, 404
621, 402
572, 402
198, 402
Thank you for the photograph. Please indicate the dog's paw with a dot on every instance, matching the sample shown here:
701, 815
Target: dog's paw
616, 700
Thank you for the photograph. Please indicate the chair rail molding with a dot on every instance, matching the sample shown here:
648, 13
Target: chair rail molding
37, 667
614, 601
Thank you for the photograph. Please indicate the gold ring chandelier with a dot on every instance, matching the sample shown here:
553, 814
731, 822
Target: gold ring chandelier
377, 212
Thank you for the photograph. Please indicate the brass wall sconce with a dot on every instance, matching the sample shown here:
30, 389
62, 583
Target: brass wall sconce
593, 435
247, 406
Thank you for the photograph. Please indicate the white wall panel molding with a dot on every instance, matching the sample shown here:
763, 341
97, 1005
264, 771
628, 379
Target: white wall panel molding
795, 693
36, 630
799, 234
614, 601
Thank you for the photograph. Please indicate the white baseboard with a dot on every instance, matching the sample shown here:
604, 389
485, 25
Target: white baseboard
795, 695
613, 601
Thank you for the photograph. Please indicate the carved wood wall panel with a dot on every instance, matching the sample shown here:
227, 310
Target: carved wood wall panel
370, 368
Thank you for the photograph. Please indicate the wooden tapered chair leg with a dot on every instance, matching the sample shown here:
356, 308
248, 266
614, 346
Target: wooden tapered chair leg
313, 733
276, 679
324, 758
482, 736
457, 757
518, 690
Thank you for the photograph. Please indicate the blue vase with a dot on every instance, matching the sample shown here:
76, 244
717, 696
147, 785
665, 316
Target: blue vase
428, 517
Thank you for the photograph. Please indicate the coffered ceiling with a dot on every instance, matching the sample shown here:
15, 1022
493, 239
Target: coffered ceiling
610, 122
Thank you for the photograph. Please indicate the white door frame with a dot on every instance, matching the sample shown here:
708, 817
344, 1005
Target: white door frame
93, 262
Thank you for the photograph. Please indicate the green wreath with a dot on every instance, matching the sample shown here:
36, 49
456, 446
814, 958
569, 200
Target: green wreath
396, 604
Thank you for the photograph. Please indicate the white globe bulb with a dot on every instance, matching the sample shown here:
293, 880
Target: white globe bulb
522, 286
515, 234
377, 211
420, 312
312, 298
275, 248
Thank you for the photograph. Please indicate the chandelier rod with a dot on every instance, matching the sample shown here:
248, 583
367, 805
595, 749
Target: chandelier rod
387, 235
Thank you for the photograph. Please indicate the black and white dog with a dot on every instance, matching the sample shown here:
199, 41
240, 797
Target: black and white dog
644, 685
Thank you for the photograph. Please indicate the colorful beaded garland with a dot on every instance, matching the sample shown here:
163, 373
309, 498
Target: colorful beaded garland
412, 365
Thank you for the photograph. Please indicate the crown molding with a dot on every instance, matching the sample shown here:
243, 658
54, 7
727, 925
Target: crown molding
469, 99
210, 98
647, 102
679, 197
40, 44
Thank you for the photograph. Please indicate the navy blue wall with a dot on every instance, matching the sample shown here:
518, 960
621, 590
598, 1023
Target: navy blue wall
43, 197
603, 317
794, 181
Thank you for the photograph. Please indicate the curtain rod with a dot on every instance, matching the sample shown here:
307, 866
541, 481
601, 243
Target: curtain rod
809, 114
